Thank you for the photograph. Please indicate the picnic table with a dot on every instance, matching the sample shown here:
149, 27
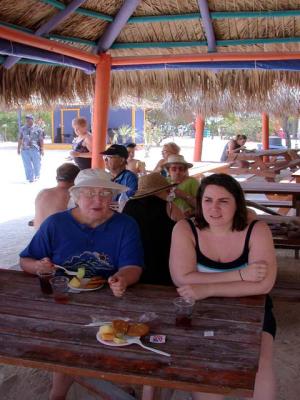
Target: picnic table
296, 175
267, 163
263, 187
201, 168
218, 353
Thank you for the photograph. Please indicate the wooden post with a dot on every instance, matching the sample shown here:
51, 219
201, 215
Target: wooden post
199, 125
265, 133
101, 109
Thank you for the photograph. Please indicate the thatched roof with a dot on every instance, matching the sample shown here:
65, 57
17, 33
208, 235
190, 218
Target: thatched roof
210, 91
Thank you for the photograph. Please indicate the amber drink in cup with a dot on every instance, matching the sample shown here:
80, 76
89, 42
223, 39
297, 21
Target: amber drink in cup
60, 289
183, 311
44, 277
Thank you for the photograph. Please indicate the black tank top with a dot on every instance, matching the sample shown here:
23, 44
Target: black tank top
205, 264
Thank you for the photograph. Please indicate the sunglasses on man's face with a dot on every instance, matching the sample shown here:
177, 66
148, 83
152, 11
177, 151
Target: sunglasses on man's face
180, 168
107, 158
92, 193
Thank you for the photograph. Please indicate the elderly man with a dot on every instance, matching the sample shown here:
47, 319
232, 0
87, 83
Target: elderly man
105, 242
52, 200
31, 147
115, 158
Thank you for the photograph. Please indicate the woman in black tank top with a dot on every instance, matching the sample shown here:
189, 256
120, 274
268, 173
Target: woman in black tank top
82, 145
220, 254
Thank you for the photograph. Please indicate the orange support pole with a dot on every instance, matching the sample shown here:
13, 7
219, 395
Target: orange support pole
207, 57
46, 44
265, 133
199, 125
101, 109
265, 130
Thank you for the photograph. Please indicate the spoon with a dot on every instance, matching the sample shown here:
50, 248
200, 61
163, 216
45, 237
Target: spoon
66, 271
136, 340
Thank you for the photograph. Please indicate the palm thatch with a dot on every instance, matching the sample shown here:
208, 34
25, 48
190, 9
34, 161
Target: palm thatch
209, 91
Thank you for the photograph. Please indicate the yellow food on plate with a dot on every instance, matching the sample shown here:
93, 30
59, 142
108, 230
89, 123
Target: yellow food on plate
107, 336
119, 340
106, 329
75, 282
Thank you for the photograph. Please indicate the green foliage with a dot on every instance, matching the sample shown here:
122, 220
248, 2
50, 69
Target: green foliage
124, 134
9, 128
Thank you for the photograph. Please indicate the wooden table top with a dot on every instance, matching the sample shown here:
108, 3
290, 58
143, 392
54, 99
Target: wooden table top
252, 186
37, 332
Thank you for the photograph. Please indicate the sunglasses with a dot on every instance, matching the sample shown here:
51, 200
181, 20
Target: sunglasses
180, 168
106, 158
91, 193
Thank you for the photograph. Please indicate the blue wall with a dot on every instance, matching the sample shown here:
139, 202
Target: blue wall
117, 117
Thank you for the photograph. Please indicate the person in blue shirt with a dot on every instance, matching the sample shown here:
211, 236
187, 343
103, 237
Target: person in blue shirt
115, 158
31, 148
106, 243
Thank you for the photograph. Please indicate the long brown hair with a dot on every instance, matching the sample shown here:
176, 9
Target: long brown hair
232, 186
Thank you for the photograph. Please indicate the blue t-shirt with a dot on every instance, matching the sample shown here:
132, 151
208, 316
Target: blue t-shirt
128, 179
102, 250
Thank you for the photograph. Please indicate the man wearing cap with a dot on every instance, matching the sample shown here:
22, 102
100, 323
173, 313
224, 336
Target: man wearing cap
115, 158
52, 200
31, 147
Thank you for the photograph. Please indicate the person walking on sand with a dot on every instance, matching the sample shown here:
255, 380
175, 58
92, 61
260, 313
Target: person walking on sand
31, 148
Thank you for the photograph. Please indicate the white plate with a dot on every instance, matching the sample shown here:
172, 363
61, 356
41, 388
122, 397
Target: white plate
79, 289
113, 344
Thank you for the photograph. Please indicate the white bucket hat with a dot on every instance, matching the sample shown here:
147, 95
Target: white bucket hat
176, 159
97, 178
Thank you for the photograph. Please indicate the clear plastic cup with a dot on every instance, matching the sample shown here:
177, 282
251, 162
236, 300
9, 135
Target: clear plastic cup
183, 311
44, 277
60, 289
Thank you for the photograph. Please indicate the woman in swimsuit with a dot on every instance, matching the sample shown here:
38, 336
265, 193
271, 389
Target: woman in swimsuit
222, 254
82, 145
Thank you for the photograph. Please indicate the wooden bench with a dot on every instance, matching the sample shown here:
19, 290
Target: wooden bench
286, 291
291, 164
275, 203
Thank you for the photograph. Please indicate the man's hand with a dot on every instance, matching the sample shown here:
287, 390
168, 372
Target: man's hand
117, 284
45, 264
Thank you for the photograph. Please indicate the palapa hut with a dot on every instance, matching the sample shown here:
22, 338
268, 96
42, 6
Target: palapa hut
226, 56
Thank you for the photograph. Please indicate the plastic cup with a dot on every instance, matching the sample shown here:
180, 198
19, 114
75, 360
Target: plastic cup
183, 311
60, 289
44, 277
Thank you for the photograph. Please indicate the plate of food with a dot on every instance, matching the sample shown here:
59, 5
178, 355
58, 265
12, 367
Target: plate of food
121, 333
86, 284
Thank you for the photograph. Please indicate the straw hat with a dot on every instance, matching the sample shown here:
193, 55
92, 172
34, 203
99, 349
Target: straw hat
176, 159
151, 184
97, 178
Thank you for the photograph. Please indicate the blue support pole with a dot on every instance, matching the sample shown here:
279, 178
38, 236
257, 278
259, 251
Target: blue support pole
208, 26
113, 30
